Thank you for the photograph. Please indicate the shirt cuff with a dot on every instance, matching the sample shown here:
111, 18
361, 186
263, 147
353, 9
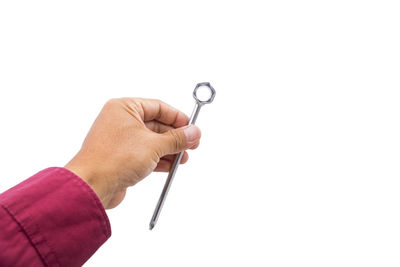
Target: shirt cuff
60, 214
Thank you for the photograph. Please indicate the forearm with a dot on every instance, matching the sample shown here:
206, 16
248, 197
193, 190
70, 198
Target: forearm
53, 216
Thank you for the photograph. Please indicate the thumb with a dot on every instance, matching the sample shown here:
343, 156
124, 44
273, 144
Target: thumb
178, 140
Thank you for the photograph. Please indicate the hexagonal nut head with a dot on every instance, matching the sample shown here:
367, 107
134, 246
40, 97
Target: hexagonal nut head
212, 93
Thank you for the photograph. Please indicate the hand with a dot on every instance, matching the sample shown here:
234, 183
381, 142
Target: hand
131, 138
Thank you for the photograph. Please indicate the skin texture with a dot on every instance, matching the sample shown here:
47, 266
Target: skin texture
130, 138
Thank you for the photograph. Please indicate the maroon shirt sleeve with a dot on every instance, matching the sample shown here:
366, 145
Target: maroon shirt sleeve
53, 218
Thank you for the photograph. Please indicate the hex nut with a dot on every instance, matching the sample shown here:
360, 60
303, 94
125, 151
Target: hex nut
206, 84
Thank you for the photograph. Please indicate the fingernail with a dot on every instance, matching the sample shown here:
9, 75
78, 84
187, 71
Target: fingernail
192, 133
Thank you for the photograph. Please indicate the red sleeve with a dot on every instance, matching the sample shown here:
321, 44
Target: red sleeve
53, 218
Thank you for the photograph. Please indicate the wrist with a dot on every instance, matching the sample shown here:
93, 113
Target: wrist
93, 179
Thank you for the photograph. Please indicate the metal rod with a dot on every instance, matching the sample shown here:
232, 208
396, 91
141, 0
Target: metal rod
172, 172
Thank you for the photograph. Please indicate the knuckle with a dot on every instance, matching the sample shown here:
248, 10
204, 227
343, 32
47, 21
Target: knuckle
112, 102
158, 102
155, 100
177, 141
135, 99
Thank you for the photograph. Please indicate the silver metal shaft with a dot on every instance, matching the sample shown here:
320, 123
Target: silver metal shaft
172, 172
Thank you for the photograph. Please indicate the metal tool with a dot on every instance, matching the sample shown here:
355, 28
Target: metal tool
200, 101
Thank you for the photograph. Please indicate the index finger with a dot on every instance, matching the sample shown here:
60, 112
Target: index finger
153, 109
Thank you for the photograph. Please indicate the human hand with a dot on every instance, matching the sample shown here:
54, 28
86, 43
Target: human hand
131, 138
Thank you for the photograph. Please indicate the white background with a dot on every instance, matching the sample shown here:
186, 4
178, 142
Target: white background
299, 161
